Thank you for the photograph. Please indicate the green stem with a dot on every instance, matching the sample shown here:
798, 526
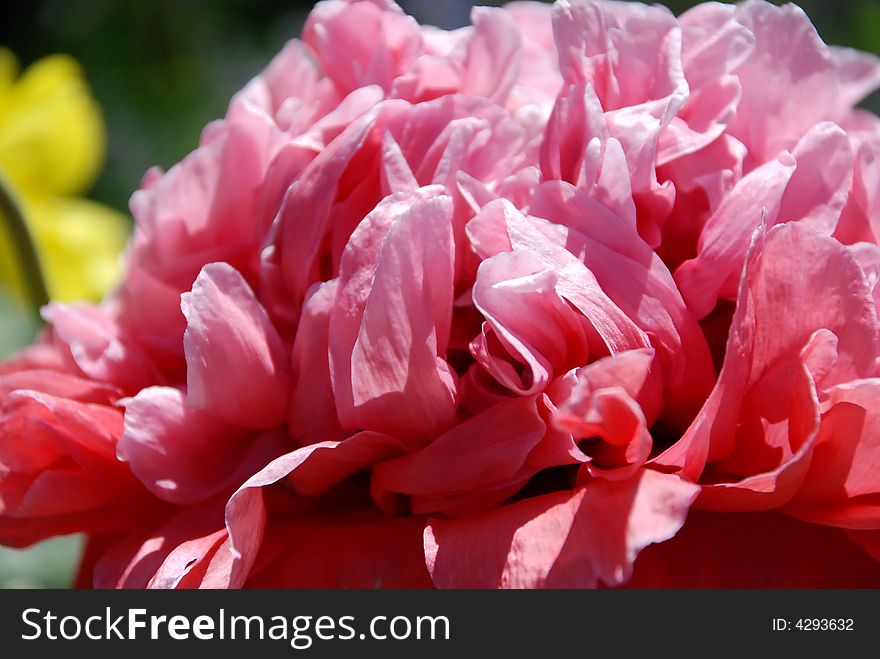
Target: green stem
23, 244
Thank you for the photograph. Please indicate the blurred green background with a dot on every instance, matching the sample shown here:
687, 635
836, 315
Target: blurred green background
162, 69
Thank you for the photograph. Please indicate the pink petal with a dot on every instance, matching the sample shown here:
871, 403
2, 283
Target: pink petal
615, 427
42, 355
312, 416
631, 53
184, 455
701, 121
134, 561
98, 345
638, 129
208, 204
859, 74
819, 187
397, 177
517, 295
725, 238
778, 423
379, 43
576, 283
59, 384
789, 262
578, 148
539, 79
860, 219
842, 487
326, 129
492, 63
305, 212
868, 256
599, 404
478, 454
59, 470
634, 371
292, 74
714, 43
789, 82
637, 281
398, 382
357, 270
487, 231
332, 462
230, 335
576, 119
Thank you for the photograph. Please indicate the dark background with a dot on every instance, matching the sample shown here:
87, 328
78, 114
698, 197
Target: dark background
162, 69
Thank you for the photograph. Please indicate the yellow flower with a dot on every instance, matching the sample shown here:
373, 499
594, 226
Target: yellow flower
52, 146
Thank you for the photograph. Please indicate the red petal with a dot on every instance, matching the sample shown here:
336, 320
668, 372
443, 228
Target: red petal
561, 540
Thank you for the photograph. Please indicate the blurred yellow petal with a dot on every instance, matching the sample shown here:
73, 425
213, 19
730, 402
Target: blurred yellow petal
20, 271
10, 267
8, 71
52, 137
52, 143
79, 243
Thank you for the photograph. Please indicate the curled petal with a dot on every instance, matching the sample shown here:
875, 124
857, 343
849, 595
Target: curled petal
517, 295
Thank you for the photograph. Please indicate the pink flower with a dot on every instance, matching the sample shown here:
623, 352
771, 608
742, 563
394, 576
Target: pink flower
561, 299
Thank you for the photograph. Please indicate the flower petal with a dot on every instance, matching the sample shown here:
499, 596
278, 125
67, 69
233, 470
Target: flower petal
184, 455
725, 238
228, 333
480, 453
842, 487
398, 381
312, 416
789, 262
58, 470
517, 295
311, 470
789, 82
560, 540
